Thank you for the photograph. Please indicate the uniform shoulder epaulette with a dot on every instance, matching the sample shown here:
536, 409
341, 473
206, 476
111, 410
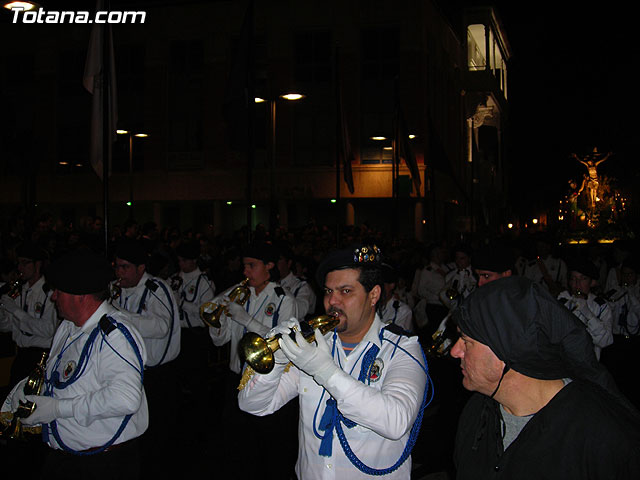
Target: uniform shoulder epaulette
279, 291
563, 300
396, 304
398, 330
302, 279
600, 301
151, 285
46, 288
106, 326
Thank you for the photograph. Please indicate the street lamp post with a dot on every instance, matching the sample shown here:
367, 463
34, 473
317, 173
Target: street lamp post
131, 135
290, 97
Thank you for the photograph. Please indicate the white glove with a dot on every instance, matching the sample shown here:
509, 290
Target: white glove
47, 410
18, 395
283, 329
237, 313
8, 303
314, 360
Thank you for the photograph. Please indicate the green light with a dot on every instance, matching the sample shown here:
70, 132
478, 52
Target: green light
333, 200
129, 204
253, 206
229, 203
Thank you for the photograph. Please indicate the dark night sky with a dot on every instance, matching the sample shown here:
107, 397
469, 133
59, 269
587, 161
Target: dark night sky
570, 91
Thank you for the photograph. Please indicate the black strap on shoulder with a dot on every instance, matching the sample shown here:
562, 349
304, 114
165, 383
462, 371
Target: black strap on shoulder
106, 326
151, 285
398, 330
600, 301
279, 291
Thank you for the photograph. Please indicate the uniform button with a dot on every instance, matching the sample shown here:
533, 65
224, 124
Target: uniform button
304, 389
329, 466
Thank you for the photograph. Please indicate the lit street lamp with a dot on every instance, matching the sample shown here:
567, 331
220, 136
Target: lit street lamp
131, 135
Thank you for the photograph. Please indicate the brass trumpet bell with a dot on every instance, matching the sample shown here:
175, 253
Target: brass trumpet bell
33, 386
258, 351
210, 312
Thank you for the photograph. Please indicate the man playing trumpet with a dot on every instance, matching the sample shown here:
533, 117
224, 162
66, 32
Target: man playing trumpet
362, 387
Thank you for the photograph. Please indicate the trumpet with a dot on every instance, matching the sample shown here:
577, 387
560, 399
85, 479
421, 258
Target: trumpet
33, 386
115, 290
258, 351
12, 289
210, 312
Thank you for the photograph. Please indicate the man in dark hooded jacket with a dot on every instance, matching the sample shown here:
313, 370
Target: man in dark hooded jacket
544, 407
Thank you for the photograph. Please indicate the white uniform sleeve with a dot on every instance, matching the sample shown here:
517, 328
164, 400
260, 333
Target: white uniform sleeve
599, 326
156, 323
265, 394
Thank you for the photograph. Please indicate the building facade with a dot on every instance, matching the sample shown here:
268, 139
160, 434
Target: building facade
447, 72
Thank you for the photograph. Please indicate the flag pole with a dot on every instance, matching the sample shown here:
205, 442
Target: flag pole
106, 129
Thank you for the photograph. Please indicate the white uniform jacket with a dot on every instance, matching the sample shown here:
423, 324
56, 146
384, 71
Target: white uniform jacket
595, 313
397, 312
625, 307
556, 268
463, 281
385, 407
155, 315
194, 289
35, 322
300, 289
108, 386
272, 304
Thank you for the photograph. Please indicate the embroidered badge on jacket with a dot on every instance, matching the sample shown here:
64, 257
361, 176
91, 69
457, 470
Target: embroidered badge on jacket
269, 309
376, 370
69, 369
37, 308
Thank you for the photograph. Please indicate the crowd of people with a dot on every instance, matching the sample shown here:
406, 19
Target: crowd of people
133, 321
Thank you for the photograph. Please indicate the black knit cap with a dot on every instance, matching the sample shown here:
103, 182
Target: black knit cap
533, 333
262, 251
132, 251
355, 256
79, 272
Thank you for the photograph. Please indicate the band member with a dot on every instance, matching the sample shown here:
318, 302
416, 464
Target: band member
460, 281
543, 406
93, 405
153, 311
267, 305
298, 287
393, 310
30, 316
592, 310
362, 387
192, 289
545, 269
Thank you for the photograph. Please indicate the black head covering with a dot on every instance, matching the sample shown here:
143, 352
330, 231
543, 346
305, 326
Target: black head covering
132, 251
262, 251
355, 256
188, 250
493, 259
80, 272
585, 267
531, 332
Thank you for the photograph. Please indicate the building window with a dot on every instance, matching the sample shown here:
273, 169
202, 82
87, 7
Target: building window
312, 57
380, 53
484, 53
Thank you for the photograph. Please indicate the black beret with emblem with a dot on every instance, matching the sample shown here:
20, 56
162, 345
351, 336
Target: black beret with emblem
585, 267
80, 272
352, 257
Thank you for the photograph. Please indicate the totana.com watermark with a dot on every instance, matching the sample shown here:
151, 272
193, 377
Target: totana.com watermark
42, 16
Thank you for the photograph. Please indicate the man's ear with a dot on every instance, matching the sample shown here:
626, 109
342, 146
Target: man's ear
374, 295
